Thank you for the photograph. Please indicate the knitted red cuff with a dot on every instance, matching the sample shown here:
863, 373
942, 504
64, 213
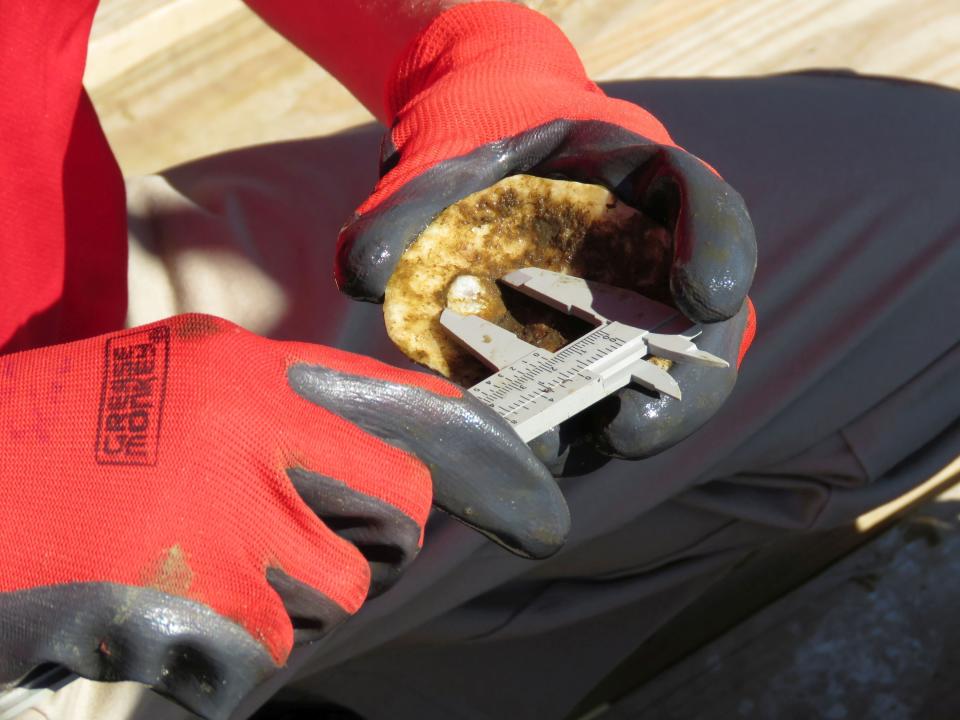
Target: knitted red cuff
486, 44
483, 72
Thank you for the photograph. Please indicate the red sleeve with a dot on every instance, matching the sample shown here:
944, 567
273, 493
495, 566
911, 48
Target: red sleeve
62, 209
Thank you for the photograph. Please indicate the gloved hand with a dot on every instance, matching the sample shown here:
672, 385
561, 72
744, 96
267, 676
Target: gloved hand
494, 89
172, 496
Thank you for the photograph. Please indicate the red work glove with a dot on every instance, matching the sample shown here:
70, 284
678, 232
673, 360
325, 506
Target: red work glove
494, 89
171, 497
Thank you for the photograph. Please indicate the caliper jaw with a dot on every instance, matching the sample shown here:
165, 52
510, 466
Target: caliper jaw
491, 344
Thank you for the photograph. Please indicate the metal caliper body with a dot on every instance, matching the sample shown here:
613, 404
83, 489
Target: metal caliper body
534, 389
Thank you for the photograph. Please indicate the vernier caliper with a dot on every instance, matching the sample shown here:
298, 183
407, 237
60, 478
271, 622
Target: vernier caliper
534, 389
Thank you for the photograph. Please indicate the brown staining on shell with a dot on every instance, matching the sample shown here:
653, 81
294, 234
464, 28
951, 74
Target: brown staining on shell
522, 221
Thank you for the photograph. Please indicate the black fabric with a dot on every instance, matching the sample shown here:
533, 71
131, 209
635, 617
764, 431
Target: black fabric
634, 423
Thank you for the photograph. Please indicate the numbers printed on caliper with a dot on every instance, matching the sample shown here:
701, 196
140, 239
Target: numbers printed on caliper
542, 389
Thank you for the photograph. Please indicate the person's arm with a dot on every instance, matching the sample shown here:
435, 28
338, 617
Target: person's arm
62, 220
358, 41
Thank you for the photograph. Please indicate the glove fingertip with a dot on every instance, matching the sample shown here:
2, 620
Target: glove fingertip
715, 248
356, 270
642, 423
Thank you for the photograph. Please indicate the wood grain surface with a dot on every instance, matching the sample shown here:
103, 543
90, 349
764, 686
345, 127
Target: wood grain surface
178, 79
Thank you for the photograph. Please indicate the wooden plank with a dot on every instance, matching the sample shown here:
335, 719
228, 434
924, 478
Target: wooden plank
942, 482
177, 79
126, 34
919, 40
